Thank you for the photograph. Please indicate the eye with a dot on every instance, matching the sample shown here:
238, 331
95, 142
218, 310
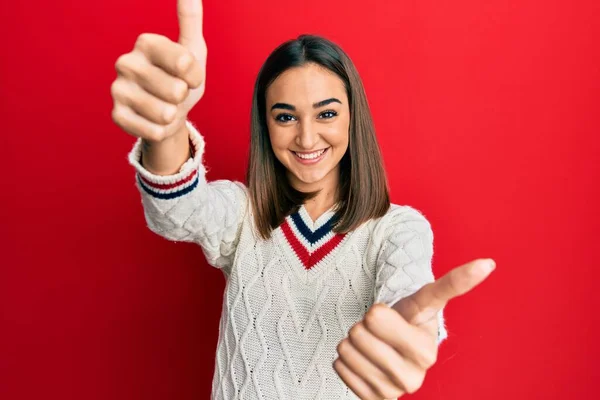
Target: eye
285, 117
327, 114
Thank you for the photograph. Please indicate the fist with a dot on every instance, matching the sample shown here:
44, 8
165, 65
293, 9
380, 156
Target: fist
384, 356
388, 353
160, 81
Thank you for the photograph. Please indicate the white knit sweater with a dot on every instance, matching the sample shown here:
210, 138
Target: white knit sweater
291, 299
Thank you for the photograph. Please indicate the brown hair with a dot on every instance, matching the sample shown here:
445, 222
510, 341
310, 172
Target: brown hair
363, 193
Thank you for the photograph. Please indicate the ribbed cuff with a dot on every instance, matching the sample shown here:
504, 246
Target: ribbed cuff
175, 185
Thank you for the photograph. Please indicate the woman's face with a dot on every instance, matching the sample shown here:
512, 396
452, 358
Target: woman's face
308, 118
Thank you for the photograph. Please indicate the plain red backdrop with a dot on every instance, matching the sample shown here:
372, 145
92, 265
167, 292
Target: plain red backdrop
488, 113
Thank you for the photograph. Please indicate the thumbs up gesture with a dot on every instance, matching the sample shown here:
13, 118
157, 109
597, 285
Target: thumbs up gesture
388, 353
159, 81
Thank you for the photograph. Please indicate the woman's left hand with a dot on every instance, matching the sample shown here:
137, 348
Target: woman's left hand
388, 353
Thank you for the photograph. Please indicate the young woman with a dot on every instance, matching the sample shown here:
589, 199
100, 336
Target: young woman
330, 292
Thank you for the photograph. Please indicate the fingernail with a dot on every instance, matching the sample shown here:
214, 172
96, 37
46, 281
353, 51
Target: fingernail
489, 265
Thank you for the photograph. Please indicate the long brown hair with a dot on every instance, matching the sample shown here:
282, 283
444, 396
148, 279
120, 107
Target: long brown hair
363, 193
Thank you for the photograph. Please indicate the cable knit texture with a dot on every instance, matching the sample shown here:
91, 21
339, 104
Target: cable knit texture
291, 299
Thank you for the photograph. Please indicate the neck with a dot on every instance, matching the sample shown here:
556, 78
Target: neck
319, 204
326, 197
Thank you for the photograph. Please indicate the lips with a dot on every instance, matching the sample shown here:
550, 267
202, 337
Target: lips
312, 157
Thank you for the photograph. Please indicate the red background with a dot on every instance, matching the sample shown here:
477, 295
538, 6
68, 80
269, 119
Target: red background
488, 116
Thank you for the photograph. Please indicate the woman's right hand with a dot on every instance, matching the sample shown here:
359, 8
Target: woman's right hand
160, 81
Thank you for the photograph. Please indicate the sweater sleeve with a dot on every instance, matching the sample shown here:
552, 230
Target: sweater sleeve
185, 207
404, 262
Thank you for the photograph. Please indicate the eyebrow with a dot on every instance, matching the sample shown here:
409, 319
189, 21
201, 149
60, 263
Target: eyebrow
322, 103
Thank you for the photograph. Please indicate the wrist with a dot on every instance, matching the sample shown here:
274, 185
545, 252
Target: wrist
166, 157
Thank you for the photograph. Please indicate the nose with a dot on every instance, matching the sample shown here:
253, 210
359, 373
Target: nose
307, 137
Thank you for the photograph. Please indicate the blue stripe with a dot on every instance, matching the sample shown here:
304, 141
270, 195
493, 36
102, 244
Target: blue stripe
310, 236
168, 196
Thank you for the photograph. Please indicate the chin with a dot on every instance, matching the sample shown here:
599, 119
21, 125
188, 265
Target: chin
310, 180
306, 178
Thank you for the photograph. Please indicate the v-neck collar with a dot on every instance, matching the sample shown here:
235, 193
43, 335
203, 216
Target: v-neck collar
309, 246
313, 231
319, 222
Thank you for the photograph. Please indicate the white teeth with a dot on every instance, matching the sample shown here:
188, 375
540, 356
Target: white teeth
311, 156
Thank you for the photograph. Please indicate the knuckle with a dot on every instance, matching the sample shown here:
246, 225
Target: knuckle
411, 389
414, 385
180, 91
129, 64
388, 393
117, 115
121, 63
375, 315
430, 358
397, 378
370, 320
356, 331
342, 348
144, 41
158, 133
427, 354
168, 113
185, 62
116, 90
336, 364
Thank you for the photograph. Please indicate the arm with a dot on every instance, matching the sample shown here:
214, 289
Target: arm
404, 262
389, 352
157, 84
185, 207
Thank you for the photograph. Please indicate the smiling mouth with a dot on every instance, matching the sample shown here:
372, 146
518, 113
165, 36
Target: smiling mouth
310, 156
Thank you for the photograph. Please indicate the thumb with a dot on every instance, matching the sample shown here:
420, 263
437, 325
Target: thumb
424, 304
190, 13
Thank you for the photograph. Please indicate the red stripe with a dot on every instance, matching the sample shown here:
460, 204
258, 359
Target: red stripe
325, 249
298, 248
309, 260
166, 186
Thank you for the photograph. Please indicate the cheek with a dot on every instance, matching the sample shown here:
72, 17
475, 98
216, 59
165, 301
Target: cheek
339, 135
274, 135
280, 142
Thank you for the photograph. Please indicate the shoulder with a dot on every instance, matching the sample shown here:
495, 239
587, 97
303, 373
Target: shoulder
402, 218
401, 226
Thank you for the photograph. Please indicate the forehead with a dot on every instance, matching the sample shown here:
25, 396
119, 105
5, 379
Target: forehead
306, 85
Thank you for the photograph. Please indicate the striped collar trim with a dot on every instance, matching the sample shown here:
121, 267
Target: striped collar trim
311, 246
